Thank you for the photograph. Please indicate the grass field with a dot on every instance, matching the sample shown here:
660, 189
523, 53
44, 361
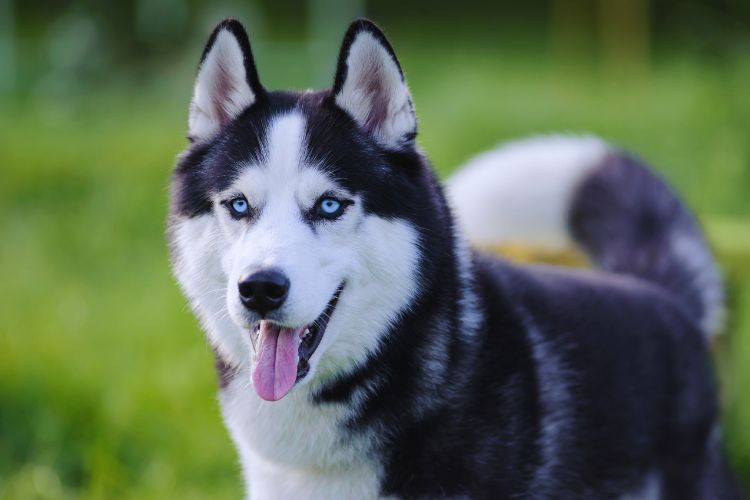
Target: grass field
106, 384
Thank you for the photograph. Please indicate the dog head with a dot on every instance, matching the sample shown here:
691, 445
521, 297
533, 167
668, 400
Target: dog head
297, 218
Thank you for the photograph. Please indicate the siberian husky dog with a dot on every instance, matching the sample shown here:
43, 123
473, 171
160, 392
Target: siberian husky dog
365, 351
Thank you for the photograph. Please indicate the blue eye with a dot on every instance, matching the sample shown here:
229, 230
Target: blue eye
239, 206
330, 208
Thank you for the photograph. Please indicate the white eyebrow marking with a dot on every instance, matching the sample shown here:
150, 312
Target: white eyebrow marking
284, 146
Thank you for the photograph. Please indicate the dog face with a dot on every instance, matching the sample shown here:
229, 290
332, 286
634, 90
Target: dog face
297, 218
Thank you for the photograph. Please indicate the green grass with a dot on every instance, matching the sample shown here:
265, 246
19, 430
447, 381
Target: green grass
106, 384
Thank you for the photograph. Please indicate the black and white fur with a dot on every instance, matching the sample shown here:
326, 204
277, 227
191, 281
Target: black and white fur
443, 372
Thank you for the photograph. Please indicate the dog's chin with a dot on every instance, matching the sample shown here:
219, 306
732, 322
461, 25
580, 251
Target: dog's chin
283, 352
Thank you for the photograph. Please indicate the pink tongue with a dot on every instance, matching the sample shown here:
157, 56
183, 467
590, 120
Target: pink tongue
275, 368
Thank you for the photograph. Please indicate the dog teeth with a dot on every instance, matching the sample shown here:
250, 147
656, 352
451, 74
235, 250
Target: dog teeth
254, 339
306, 334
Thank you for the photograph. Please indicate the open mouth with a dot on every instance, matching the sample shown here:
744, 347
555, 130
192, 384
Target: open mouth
283, 354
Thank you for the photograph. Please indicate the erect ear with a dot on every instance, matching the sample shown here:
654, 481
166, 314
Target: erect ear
227, 81
370, 86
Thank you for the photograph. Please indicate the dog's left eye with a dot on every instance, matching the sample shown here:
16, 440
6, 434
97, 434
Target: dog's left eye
330, 208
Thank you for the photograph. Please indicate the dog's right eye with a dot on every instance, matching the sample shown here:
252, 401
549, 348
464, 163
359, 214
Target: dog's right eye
238, 207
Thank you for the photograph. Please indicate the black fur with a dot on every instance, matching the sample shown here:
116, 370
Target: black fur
629, 221
573, 385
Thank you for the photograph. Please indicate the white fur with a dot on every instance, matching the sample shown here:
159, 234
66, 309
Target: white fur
369, 65
292, 447
557, 420
519, 193
198, 270
471, 314
696, 257
221, 89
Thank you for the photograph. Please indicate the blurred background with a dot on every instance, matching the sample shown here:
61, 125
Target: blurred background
107, 387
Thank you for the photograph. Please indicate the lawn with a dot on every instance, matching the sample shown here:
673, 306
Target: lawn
107, 387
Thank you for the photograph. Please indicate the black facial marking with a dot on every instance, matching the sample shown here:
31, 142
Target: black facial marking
189, 193
208, 168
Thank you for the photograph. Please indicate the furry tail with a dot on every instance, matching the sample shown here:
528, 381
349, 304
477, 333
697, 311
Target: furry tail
554, 193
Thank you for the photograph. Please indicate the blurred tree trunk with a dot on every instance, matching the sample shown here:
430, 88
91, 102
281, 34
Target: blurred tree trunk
624, 34
7, 47
616, 30
570, 32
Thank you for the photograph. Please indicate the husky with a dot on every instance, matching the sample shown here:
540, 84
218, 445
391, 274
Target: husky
366, 351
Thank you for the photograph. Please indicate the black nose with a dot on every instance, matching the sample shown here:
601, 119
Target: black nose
263, 291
